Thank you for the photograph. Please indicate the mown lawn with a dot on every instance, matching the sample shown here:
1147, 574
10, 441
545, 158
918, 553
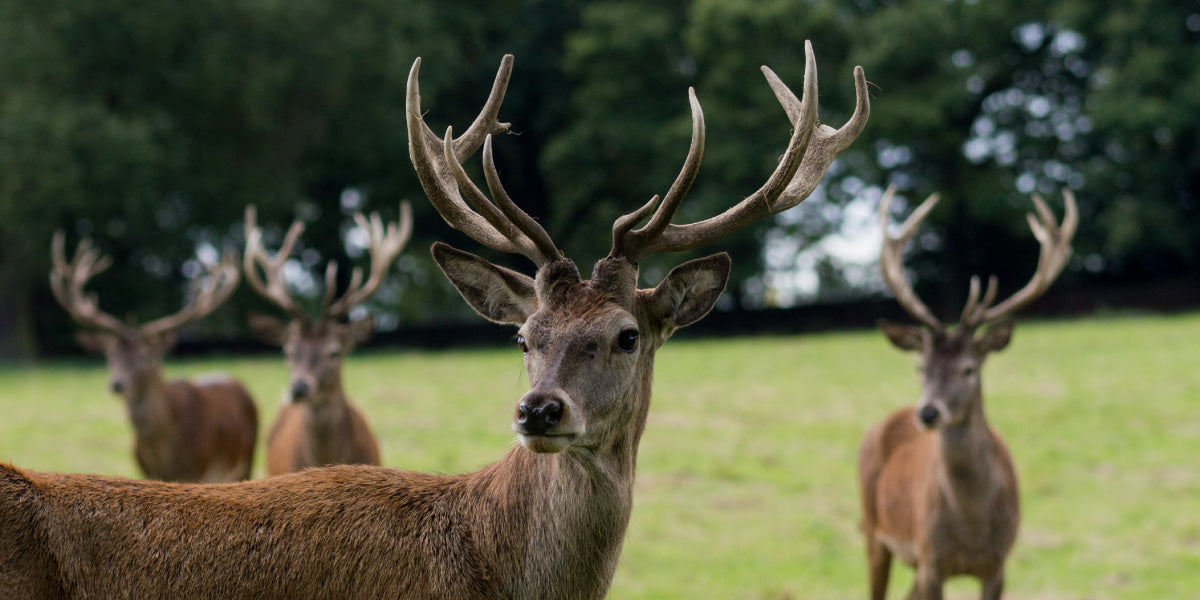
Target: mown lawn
746, 478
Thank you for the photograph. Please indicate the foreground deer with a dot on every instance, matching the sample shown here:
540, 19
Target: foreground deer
199, 430
938, 486
318, 425
545, 522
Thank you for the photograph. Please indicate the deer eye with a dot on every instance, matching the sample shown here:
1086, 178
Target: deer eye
521, 343
335, 353
627, 340
968, 371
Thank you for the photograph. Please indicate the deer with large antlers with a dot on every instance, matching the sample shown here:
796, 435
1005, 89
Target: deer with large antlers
546, 521
318, 425
199, 430
938, 486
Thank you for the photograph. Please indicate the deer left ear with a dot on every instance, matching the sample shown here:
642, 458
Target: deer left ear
688, 292
996, 337
498, 294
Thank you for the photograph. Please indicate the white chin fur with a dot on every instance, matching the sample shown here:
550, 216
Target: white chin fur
545, 444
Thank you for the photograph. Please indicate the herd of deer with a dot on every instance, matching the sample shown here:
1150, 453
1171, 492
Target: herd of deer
938, 488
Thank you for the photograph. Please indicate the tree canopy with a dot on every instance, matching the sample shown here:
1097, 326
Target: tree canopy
151, 127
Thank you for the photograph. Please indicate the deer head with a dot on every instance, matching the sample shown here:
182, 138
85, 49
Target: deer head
133, 351
589, 345
951, 359
315, 346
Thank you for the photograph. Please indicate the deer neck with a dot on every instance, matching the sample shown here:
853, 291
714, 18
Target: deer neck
561, 518
328, 415
148, 406
965, 460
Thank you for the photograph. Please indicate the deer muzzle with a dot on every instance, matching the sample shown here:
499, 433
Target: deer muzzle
543, 421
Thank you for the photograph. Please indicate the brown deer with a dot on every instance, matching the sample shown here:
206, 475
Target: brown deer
938, 486
546, 521
199, 430
318, 425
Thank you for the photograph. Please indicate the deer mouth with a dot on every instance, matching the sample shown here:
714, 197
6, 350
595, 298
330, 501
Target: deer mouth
546, 443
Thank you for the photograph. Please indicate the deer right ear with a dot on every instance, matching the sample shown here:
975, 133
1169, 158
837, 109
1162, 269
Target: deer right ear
92, 341
498, 294
904, 337
268, 328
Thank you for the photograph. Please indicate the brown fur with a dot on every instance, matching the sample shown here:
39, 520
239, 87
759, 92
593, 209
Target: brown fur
320, 427
209, 434
304, 435
536, 525
943, 500
204, 429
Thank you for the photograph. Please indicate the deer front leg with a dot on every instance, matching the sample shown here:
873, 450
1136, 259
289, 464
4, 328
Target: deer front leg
879, 560
928, 585
993, 587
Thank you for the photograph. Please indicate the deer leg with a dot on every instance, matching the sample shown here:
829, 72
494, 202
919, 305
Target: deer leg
928, 585
879, 560
993, 587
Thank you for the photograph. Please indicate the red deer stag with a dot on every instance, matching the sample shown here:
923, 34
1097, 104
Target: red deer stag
199, 430
546, 521
318, 425
938, 486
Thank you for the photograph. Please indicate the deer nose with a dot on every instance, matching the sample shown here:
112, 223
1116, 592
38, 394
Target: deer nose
116, 386
299, 390
538, 414
928, 415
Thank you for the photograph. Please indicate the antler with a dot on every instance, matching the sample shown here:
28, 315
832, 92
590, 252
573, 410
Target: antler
67, 280
506, 227
207, 294
1055, 241
274, 288
891, 258
810, 151
384, 247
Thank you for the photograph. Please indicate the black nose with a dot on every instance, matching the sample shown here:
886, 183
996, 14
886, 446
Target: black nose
928, 415
299, 390
117, 387
536, 416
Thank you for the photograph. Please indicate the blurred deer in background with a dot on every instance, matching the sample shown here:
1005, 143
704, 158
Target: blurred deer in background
545, 522
318, 425
938, 485
199, 430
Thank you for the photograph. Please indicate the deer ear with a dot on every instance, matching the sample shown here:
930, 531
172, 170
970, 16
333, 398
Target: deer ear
92, 341
904, 337
498, 294
688, 292
996, 337
268, 328
358, 331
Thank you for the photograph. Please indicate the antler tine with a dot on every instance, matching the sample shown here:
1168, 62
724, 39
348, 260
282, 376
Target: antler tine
810, 151
521, 233
274, 288
439, 172
891, 258
67, 280
1055, 241
385, 245
630, 243
208, 293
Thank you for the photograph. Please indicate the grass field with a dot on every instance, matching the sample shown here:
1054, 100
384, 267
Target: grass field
746, 478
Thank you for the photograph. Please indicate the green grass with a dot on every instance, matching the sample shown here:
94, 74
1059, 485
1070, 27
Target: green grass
746, 478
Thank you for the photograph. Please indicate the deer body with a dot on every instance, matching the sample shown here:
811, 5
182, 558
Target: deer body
944, 502
333, 432
937, 484
194, 431
317, 424
188, 431
545, 522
